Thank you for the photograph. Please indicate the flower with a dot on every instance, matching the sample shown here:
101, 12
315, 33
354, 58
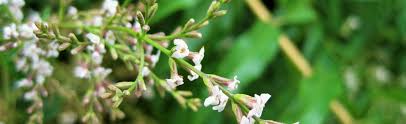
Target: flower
233, 83
72, 11
3, 2
96, 21
194, 75
24, 83
10, 31
43, 69
197, 58
259, 105
181, 49
218, 99
155, 58
110, 6
110, 38
101, 72
97, 58
26, 31
145, 71
93, 38
175, 81
247, 120
81, 72
30, 95
53, 49
137, 26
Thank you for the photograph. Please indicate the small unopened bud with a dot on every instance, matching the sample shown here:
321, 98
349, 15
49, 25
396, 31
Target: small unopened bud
117, 103
140, 18
63, 46
146, 28
246, 99
123, 85
106, 95
153, 10
205, 23
126, 92
73, 37
189, 24
215, 5
237, 111
113, 53
220, 13
77, 49
185, 93
194, 34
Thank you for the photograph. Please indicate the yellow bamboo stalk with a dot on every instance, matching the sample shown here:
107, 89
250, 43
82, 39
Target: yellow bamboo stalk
286, 44
341, 112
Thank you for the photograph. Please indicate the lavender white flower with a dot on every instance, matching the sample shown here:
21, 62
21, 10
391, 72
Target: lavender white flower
193, 75
197, 58
259, 105
110, 7
81, 72
175, 81
24, 83
247, 120
72, 11
234, 83
26, 31
101, 73
217, 99
10, 31
181, 49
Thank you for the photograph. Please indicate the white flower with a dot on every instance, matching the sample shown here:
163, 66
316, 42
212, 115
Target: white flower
32, 51
258, 105
247, 120
21, 63
155, 58
10, 31
197, 58
17, 3
97, 21
233, 84
81, 72
110, 6
101, 72
137, 26
193, 76
110, 38
16, 12
26, 31
145, 71
93, 38
34, 17
24, 83
217, 99
43, 69
97, 58
72, 11
30, 95
53, 49
175, 81
181, 49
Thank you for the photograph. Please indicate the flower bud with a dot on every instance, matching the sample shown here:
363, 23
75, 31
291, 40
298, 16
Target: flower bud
153, 10
140, 18
63, 46
77, 49
220, 13
215, 5
194, 34
123, 85
189, 24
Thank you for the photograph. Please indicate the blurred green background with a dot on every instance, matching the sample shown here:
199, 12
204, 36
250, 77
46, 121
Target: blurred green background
356, 48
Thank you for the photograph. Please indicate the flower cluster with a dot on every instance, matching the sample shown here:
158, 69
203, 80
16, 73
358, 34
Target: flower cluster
123, 33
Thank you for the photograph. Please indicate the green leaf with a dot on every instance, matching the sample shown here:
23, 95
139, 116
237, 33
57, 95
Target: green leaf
316, 93
251, 53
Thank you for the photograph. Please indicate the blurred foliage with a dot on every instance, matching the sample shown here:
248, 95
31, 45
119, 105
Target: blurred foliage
374, 52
